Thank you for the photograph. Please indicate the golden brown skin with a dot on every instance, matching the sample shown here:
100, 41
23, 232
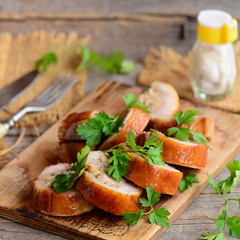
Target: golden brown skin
183, 153
204, 125
107, 198
136, 120
70, 142
59, 204
103, 191
162, 123
67, 131
143, 174
48, 201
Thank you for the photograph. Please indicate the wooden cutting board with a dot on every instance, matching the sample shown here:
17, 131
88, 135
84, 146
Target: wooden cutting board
16, 178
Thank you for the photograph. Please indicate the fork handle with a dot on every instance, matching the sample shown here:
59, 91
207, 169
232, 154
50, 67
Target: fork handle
6, 125
3, 129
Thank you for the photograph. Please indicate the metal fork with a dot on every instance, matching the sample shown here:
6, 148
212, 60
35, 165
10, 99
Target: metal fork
41, 103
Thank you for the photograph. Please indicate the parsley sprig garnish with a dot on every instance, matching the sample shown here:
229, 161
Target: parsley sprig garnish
152, 149
96, 130
113, 63
224, 187
160, 216
187, 182
63, 182
184, 134
49, 58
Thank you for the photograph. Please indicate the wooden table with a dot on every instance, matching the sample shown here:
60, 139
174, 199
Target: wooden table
134, 27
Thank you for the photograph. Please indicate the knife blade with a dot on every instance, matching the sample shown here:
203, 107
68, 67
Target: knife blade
17, 88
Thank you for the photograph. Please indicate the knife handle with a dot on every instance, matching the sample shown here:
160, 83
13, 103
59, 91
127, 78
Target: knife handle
3, 130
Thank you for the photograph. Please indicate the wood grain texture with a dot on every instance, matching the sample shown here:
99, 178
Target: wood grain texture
76, 9
133, 37
15, 204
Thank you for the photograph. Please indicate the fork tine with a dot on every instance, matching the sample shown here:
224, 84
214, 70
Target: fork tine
61, 90
52, 88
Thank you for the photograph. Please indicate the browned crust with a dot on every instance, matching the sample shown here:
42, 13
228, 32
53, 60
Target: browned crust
106, 198
136, 122
67, 131
161, 179
204, 125
181, 153
59, 204
162, 123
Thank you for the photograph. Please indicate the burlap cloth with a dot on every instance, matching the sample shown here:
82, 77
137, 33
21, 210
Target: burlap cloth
168, 66
17, 57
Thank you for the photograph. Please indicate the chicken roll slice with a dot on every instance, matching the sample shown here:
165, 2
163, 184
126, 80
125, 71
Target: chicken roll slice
48, 201
186, 154
103, 191
162, 100
163, 179
177, 152
135, 120
67, 131
204, 125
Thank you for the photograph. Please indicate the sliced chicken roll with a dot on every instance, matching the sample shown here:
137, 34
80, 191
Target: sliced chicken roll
48, 201
163, 179
70, 142
204, 125
135, 120
161, 99
186, 154
103, 191
177, 152
67, 131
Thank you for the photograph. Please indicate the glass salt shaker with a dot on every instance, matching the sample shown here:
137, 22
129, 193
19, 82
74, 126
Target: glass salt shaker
213, 66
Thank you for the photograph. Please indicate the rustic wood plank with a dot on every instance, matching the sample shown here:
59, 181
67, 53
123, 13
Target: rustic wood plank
133, 37
76, 9
225, 145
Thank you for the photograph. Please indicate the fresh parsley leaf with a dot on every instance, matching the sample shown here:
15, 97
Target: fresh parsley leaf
145, 202
131, 101
213, 236
226, 185
114, 63
64, 182
152, 149
187, 117
95, 130
223, 187
184, 134
132, 218
213, 184
233, 226
153, 197
49, 58
130, 141
187, 182
119, 162
233, 166
221, 220
160, 216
